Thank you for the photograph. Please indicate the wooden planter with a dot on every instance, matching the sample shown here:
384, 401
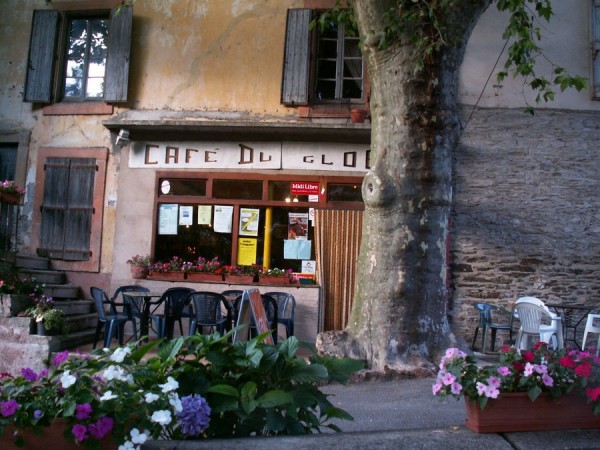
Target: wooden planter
167, 276
51, 438
274, 280
11, 199
204, 277
516, 412
239, 279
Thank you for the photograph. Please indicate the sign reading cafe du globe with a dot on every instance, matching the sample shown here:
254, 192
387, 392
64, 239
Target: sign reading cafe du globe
250, 155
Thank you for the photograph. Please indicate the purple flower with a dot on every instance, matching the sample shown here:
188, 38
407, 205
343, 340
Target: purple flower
43, 374
60, 358
194, 416
29, 374
80, 432
9, 408
83, 411
37, 414
101, 428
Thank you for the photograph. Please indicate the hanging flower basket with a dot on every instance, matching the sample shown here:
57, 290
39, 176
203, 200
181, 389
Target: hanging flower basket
516, 412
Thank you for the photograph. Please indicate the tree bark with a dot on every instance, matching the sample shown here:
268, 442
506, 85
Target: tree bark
399, 320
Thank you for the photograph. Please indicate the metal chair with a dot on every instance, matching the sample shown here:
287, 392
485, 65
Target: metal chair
486, 323
532, 312
591, 328
286, 310
131, 308
175, 302
113, 322
208, 311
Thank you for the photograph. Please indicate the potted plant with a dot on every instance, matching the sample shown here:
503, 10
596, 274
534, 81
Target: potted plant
17, 294
179, 392
139, 266
172, 270
275, 276
203, 269
10, 192
527, 390
242, 274
49, 320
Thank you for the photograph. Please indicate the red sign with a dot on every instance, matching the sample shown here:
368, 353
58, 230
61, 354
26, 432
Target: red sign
304, 188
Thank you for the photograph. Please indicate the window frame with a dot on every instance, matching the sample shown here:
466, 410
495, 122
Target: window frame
595, 49
46, 61
210, 199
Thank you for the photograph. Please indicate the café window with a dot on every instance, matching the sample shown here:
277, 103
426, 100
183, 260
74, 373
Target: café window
245, 221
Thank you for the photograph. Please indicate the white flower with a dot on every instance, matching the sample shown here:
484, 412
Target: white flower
170, 385
162, 417
150, 397
119, 354
127, 445
115, 373
108, 395
175, 402
67, 379
137, 437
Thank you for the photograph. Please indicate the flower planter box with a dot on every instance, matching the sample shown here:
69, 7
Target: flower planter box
204, 276
167, 276
275, 280
516, 412
239, 279
11, 199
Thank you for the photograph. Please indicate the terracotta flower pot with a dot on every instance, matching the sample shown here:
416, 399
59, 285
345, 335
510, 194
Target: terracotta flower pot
138, 272
358, 115
516, 412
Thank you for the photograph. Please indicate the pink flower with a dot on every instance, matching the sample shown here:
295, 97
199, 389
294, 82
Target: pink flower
547, 380
456, 388
593, 393
448, 379
494, 382
436, 388
480, 388
540, 368
491, 392
584, 369
60, 358
504, 371
528, 371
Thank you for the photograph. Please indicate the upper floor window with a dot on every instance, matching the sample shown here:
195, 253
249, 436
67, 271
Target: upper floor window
320, 66
93, 61
86, 58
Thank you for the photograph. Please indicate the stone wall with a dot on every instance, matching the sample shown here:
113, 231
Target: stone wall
526, 218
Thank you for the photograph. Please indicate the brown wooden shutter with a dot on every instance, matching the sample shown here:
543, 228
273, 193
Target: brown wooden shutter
119, 48
294, 86
67, 208
42, 47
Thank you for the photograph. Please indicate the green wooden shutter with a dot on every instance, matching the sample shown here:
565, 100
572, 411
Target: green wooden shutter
40, 62
294, 86
119, 47
596, 49
67, 208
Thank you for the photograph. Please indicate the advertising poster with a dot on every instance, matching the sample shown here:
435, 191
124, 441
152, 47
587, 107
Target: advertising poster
249, 222
298, 226
204, 214
246, 251
167, 218
223, 219
186, 215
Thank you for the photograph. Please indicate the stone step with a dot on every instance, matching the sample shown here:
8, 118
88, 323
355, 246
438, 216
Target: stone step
62, 291
44, 276
74, 307
82, 322
32, 262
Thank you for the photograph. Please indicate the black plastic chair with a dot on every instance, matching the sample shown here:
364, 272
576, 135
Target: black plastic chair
176, 302
112, 323
286, 310
486, 323
231, 296
208, 311
131, 305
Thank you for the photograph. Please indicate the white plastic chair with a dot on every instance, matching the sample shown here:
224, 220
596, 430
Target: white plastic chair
591, 328
532, 312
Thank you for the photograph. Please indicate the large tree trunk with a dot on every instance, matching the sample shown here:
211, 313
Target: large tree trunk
399, 319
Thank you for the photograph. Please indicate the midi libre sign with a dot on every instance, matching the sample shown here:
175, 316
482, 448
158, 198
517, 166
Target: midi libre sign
249, 155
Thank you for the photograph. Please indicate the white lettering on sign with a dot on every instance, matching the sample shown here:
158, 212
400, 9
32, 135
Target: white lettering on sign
249, 155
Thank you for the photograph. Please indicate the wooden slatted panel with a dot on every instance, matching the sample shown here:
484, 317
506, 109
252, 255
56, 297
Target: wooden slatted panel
294, 86
67, 208
54, 207
42, 47
337, 236
596, 48
78, 221
119, 47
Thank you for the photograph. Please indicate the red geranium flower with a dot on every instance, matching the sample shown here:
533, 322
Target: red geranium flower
584, 369
528, 356
567, 361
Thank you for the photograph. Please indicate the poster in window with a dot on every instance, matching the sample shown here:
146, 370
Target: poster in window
223, 219
167, 218
186, 215
204, 214
246, 251
298, 226
297, 249
249, 222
